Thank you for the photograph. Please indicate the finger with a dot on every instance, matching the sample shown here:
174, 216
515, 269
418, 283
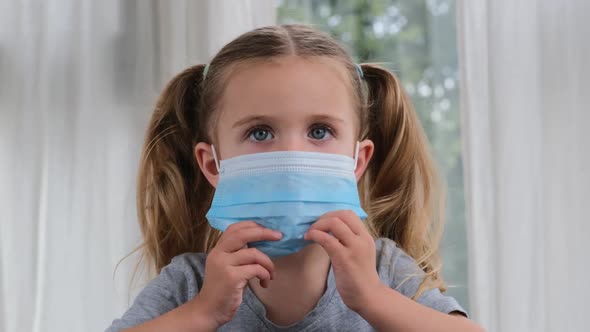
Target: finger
350, 218
239, 238
252, 256
327, 241
337, 227
228, 233
247, 272
239, 225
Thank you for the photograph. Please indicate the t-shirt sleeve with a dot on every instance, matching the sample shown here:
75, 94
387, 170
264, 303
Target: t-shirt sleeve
174, 286
403, 274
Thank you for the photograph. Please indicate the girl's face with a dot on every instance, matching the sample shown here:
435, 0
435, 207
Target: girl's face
286, 104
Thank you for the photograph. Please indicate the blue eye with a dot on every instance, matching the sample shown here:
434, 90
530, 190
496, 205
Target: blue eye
260, 135
320, 133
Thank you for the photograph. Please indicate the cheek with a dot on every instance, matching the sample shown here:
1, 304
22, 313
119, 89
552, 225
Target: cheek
232, 144
336, 148
227, 142
343, 143
350, 137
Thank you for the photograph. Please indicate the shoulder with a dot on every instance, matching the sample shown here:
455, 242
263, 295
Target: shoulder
180, 280
190, 263
401, 272
390, 255
385, 246
185, 271
396, 267
176, 284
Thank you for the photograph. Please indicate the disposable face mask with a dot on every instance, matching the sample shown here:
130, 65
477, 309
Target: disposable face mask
285, 191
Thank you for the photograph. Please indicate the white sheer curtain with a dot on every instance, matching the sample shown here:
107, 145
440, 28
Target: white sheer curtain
77, 83
526, 105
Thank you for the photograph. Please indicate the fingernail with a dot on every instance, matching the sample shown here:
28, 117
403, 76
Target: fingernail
278, 234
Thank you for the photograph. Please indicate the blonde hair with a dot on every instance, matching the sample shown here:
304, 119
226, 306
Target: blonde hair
399, 190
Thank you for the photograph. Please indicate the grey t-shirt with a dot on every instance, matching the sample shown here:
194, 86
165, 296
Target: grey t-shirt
181, 280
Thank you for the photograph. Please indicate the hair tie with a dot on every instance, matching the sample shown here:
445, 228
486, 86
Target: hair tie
359, 71
205, 71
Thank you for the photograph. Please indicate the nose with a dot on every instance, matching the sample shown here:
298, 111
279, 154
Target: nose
291, 143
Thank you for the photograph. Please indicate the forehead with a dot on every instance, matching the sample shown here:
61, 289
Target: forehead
286, 85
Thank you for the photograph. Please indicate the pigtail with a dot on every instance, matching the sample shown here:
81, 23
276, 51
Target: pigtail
172, 193
400, 189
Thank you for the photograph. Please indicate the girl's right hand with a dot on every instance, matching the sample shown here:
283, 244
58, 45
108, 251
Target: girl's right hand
230, 265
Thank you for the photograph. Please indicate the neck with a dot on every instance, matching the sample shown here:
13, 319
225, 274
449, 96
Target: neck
300, 281
311, 260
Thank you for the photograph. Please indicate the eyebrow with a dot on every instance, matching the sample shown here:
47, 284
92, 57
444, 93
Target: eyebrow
326, 117
265, 118
251, 118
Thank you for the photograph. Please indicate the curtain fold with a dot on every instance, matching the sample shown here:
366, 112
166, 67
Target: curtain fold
525, 111
78, 80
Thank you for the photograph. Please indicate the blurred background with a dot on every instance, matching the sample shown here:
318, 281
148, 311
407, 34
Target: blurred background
500, 88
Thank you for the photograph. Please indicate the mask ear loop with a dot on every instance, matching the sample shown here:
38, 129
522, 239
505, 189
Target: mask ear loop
356, 154
215, 157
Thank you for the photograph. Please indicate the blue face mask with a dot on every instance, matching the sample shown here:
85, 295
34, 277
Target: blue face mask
285, 191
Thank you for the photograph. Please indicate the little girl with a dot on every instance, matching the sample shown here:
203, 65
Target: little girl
284, 188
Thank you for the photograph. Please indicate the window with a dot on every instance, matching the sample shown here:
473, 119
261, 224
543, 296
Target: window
416, 40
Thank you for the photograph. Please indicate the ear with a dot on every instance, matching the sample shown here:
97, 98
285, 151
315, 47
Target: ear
204, 154
366, 149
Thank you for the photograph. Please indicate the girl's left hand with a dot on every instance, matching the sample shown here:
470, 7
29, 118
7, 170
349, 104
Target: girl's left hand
352, 252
